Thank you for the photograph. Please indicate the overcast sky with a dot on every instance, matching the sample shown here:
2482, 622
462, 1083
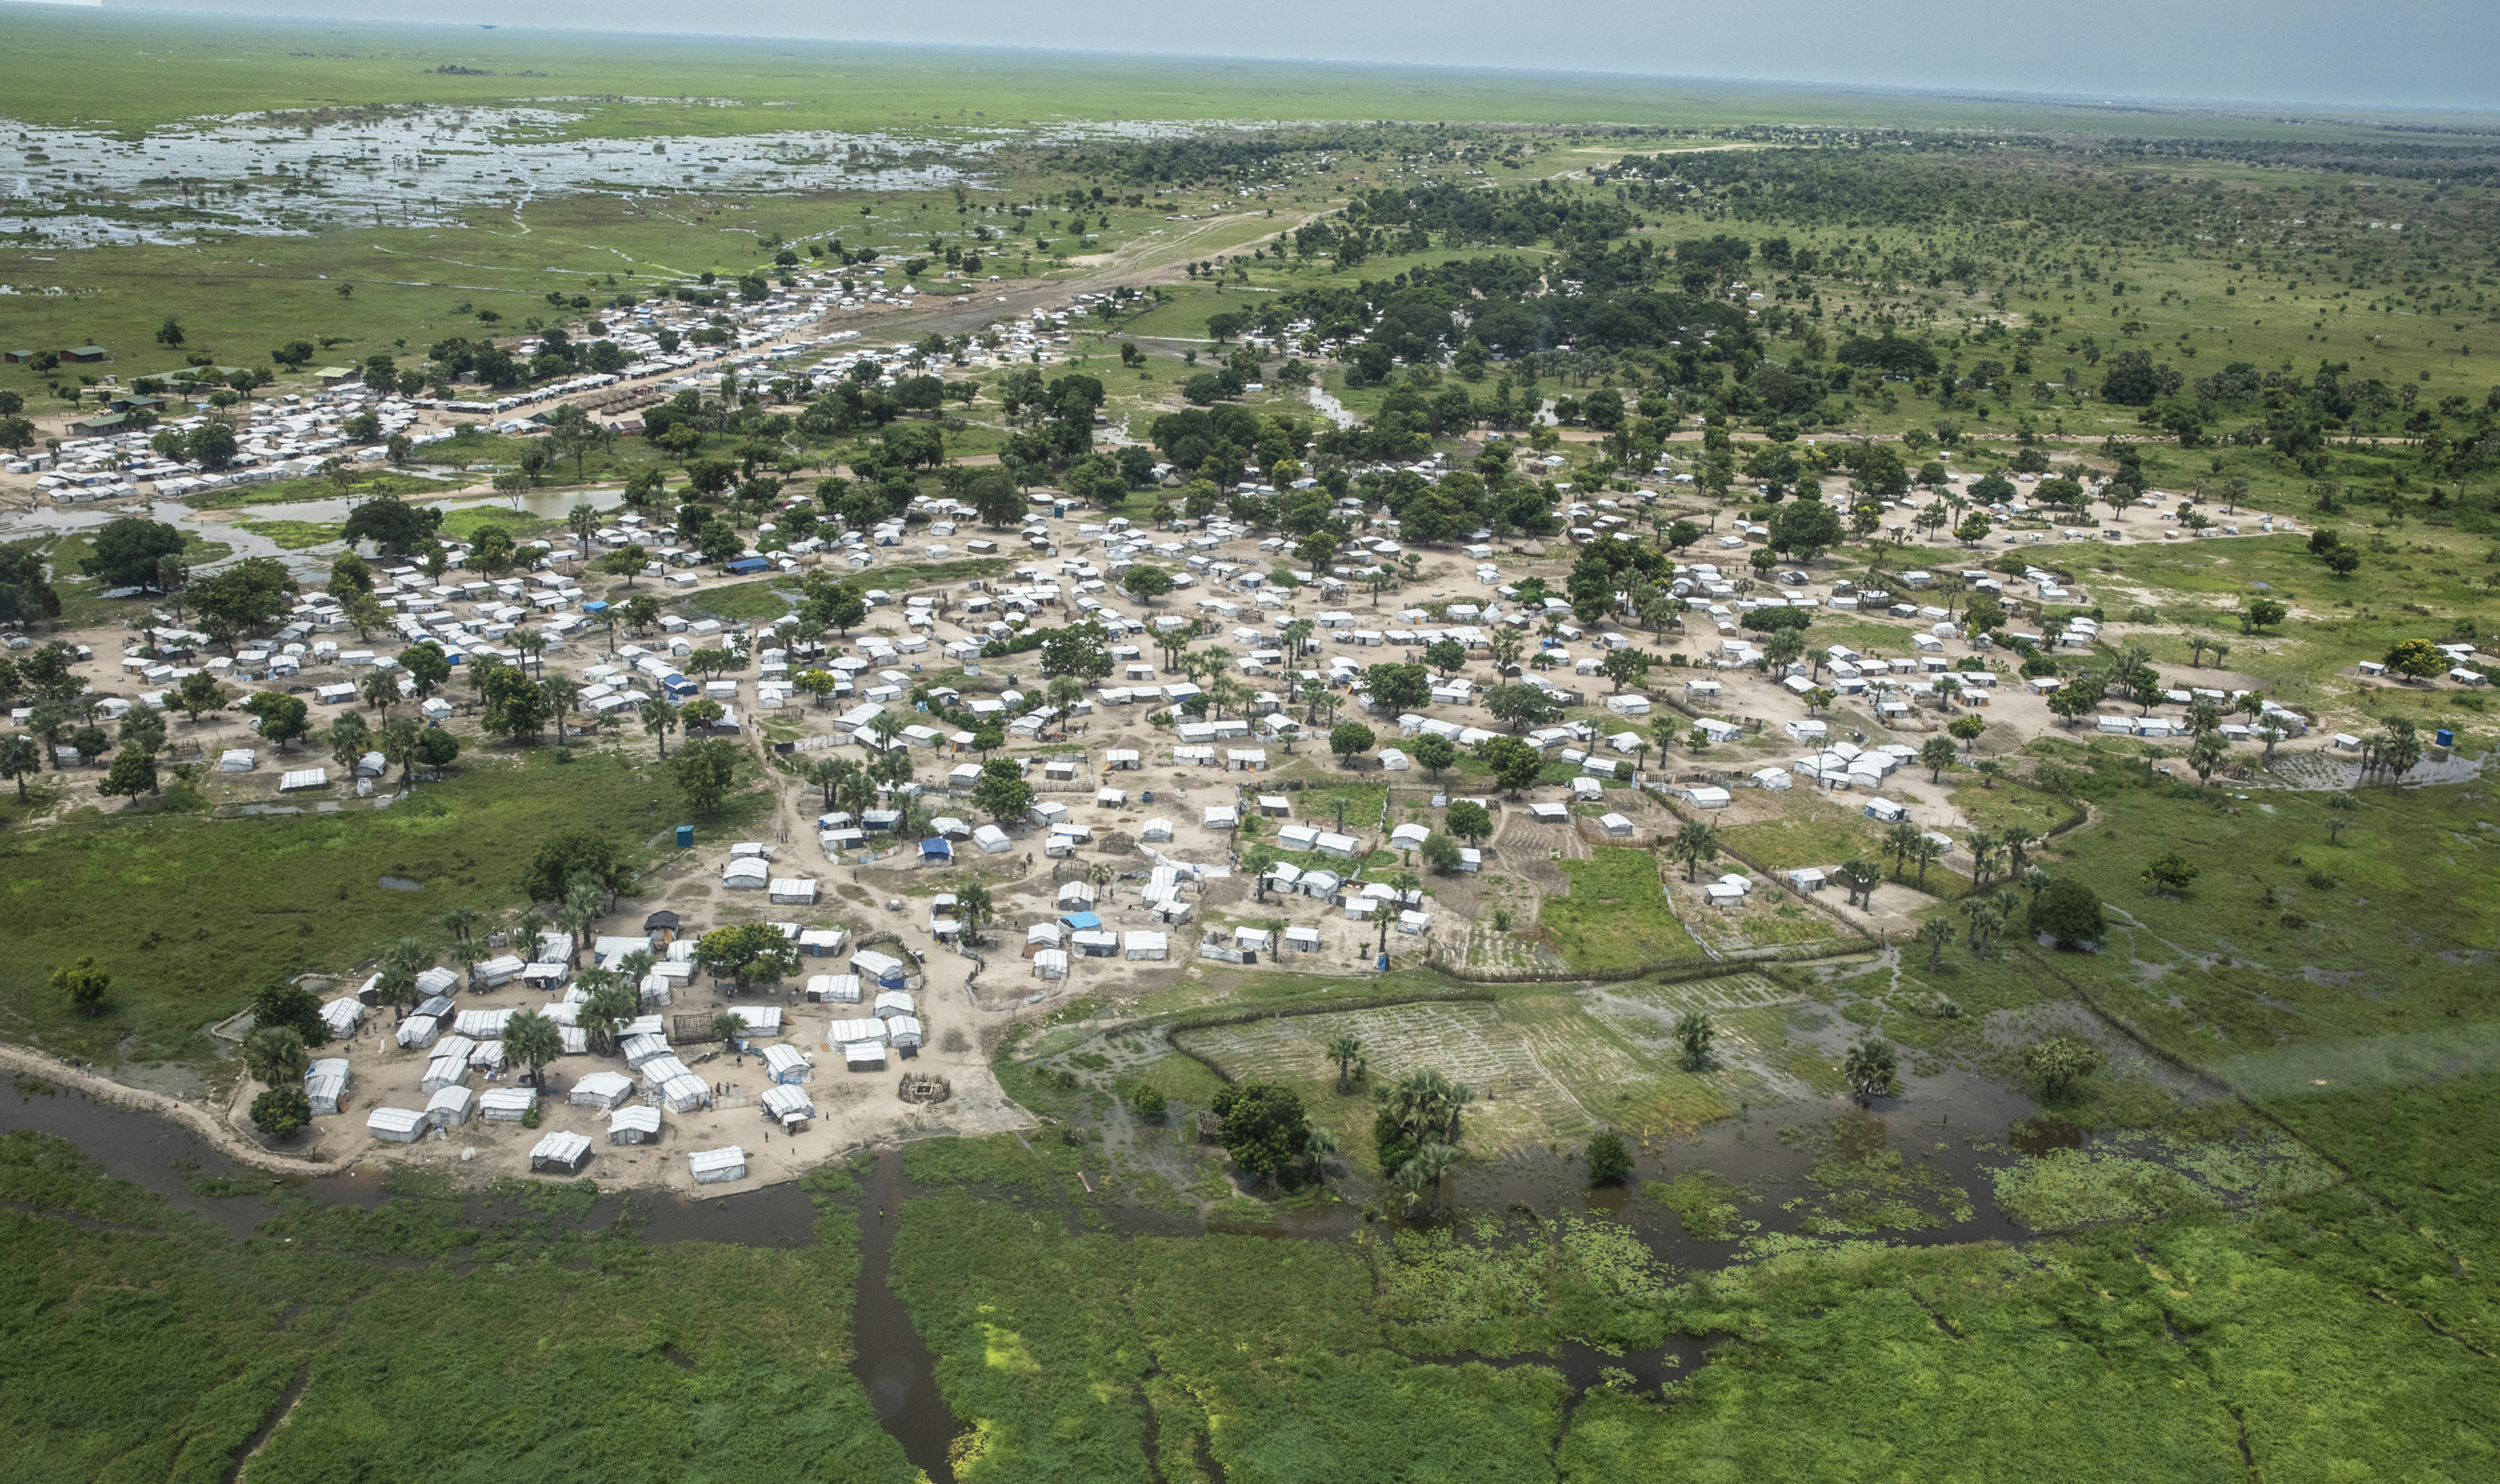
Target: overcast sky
2423, 53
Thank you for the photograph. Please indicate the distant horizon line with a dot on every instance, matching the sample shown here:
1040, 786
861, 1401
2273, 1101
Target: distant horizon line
2089, 100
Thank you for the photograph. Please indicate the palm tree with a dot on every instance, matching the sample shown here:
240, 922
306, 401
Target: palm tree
1983, 855
1899, 842
2015, 838
380, 690
402, 739
1696, 841
19, 759
1873, 1070
467, 952
275, 1054
974, 909
574, 916
534, 1040
582, 520
1430, 1166
1935, 933
659, 718
1344, 1051
1860, 877
563, 697
396, 986
525, 933
1986, 918
461, 921
613, 1002
50, 721
1321, 1146
822, 774
348, 737
411, 954
1256, 863
1926, 852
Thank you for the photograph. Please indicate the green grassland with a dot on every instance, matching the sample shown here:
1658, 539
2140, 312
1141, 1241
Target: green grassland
559, 1343
2187, 1350
238, 297
158, 69
192, 914
2175, 1350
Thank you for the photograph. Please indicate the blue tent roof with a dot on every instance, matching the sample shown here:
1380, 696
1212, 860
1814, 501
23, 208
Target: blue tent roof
1081, 920
938, 847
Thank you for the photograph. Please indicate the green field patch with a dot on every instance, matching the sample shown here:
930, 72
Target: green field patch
287, 492
1616, 915
293, 535
2142, 1178
1860, 1185
235, 903
1707, 1203
1816, 837
465, 523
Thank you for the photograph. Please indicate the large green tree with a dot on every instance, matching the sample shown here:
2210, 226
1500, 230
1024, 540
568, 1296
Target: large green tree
750, 952
1266, 1130
233, 601
571, 856
129, 552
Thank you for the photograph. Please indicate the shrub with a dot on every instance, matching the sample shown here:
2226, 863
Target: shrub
2068, 912
1609, 1162
2055, 1065
280, 1111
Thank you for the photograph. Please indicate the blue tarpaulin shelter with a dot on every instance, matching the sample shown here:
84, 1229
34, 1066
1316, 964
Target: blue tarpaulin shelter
1081, 921
937, 849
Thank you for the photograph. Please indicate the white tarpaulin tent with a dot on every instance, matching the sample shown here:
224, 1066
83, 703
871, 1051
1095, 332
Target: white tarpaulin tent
602, 1090
325, 1084
759, 1019
559, 1153
784, 1104
785, 1063
506, 1105
832, 989
395, 1126
449, 1107
713, 1167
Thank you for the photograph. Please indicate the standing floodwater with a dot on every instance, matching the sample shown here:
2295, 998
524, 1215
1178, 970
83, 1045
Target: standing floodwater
896, 1366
